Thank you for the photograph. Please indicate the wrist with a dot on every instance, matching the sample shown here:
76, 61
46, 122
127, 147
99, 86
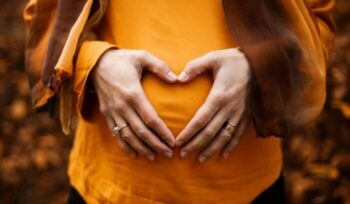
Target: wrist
102, 62
245, 62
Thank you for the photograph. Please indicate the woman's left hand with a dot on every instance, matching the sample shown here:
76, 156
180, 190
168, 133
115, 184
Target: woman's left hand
221, 120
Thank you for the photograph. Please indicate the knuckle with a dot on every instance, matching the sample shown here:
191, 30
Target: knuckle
131, 95
156, 70
192, 67
208, 134
161, 68
141, 133
147, 139
150, 120
235, 104
141, 150
193, 147
195, 71
162, 65
199, 123
225, 137
190, 147
219, 99
118, 107
126, 137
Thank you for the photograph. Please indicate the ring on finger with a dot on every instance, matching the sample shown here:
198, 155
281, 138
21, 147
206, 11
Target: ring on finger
117, 129
230, 127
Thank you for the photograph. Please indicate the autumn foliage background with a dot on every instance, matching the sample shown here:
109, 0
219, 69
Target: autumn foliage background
34, 154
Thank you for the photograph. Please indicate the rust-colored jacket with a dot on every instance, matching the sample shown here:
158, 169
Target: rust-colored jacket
288, 54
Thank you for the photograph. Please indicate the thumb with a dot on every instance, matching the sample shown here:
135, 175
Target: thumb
195, 68
158, 67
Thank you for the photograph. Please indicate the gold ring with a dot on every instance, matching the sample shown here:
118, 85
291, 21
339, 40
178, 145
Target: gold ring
230, 128
117, 129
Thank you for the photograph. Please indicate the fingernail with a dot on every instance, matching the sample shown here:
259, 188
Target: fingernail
183, 154
168, 154
201, 159
183, 76
171, 76
150, 157
171, 143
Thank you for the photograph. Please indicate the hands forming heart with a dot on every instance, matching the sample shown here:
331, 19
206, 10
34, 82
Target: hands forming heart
225, 104
216, 127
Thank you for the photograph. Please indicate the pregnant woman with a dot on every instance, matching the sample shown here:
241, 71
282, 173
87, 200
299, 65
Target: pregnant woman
172, 96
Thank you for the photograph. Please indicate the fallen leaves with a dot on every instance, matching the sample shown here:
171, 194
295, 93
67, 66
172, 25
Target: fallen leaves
344, 107
322, 171
317, 163
18, 109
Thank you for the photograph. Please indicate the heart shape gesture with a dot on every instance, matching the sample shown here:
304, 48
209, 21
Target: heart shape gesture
221, 120
217, 125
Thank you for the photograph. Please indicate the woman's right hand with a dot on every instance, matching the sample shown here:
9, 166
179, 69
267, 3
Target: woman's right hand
116, 78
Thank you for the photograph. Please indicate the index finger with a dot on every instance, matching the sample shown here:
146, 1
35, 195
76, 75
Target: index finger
150, 117
201, 118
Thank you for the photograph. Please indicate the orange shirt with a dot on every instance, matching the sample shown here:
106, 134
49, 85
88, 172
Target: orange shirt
176, 32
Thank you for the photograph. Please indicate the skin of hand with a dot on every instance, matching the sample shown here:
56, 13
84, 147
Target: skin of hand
116, 78
226, 102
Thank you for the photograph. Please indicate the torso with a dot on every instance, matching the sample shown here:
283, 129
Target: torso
176, 32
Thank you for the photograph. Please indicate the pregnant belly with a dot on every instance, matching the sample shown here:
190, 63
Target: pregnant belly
176, 103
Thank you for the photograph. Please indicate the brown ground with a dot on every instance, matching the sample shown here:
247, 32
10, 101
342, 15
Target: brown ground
34, 154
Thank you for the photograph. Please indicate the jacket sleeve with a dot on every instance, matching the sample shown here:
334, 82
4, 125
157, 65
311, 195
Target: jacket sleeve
299, 91
288, 47
88, 56
323, 20
38, 19
55, 30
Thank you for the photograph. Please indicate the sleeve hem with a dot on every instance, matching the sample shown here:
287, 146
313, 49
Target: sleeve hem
89, 55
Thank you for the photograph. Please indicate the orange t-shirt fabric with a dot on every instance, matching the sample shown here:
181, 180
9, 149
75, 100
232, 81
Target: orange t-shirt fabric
176, 32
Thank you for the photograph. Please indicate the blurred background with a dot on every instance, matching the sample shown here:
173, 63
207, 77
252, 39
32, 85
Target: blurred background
34, 154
